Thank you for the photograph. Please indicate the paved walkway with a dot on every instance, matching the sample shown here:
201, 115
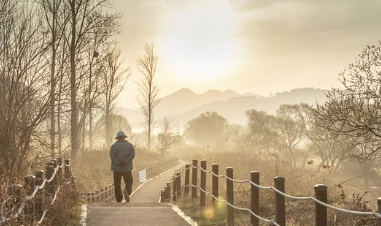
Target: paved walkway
143, 210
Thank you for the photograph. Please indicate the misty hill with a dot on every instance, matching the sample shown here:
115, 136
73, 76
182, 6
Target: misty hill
185, 105
234, 109
185, 100
178, 103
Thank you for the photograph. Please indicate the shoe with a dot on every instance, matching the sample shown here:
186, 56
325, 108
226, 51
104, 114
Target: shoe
126, 196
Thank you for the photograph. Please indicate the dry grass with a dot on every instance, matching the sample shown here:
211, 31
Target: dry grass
66, 210
205, 216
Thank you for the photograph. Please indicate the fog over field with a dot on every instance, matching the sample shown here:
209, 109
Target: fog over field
286, 88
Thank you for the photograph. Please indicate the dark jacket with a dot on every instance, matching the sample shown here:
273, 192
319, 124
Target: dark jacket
122, 153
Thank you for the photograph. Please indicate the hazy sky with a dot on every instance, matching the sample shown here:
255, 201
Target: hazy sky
259, 46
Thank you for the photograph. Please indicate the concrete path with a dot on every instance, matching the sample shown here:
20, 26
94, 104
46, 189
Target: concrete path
143, 209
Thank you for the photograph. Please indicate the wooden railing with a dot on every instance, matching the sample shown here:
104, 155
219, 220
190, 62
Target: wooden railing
196, 184
28, 204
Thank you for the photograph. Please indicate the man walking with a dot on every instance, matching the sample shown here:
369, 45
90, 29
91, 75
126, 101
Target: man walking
122, 153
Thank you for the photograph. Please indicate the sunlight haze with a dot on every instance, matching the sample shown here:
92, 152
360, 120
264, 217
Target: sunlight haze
201, 42
262, 47
239, 104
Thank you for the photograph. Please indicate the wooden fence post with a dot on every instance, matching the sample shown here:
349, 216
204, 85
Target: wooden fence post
106, 193
88, 197
97, 196
38, 200
203, 183
29, 185
162, 195
379, 210
215, 184
93, 197
320, 210
280, 206
39, 174
194, 178
53, 183
230, 195
48, 175
54, 163
174, 188
55, 179
67, 168
254, 221
178, 185
59, 171
168, 192
186, 183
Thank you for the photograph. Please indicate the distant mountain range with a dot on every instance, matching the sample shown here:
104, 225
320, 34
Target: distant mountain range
184, 105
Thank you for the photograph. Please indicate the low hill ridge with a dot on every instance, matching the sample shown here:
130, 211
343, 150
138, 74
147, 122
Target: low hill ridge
184, 104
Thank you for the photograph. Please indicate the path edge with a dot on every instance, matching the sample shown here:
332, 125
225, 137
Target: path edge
183, 215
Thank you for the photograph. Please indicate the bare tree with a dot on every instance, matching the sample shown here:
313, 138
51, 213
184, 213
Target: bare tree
148, 89
82, 14
112, 81
291, 131
53, 8
331, 148
24, 95
262, 135
354, 111
167, 138
104, 64
53, 12
63, 100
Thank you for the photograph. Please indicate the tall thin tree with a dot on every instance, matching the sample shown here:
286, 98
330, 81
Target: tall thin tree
113, 81
81, 12
51, 9
148, 89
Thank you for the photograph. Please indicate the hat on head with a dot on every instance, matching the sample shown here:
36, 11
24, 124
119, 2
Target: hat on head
120, 134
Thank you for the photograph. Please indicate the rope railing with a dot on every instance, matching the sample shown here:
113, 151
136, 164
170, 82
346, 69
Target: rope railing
156, 168
30, 207
378, 215
320, 198
270, 222
104, 194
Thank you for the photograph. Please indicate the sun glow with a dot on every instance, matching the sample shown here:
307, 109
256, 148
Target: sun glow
201, 43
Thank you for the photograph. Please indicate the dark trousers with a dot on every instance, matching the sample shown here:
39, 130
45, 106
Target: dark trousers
127, 177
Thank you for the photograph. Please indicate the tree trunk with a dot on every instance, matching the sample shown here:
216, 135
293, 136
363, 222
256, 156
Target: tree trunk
53, 85
73, 88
